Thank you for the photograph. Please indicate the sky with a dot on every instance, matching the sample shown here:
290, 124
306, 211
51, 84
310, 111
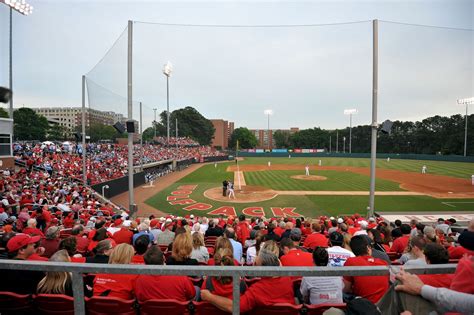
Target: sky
306, 74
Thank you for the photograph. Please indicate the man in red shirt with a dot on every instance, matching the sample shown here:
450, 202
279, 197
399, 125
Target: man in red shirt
82, 242
401, 243
31, 228
124, 235
316, 238
294, 256
242, 230
369, 287
149, 287
265, 292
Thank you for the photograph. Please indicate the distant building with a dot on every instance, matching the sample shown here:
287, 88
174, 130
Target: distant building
223, 131
71, 117
265, 136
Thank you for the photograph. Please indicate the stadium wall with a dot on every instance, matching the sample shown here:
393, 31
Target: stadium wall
449, 158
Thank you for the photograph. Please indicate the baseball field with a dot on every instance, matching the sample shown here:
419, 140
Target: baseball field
334, 186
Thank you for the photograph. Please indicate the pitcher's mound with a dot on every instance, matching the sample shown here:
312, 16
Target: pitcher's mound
246, 195
309, 177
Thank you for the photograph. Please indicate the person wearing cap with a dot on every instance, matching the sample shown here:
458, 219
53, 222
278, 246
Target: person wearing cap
143, 229
293, 256
82, 241
155, 228
443, 226
336, 253
363, 228
315, 238
167, 236
115, 227
21, 247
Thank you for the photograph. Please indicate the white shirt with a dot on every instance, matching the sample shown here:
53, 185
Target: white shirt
338, 256
322, 290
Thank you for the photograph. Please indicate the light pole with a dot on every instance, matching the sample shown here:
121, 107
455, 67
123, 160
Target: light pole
467, 102
268, 112
337, 141
104, 188
329, 144
167, 69
23, 8
154, 124
344, 145
350, 112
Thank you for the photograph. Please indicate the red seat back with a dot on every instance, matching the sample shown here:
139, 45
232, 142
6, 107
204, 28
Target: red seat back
15, 303
54, 304
102, 305
278, 309
168, 307
321, 308
205, 308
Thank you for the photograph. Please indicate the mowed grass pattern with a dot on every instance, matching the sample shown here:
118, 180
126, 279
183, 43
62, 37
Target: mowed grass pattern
453, 169
336, 181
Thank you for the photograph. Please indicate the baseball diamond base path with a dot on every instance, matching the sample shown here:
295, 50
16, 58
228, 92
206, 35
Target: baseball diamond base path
437, 186
239, 178
143, 192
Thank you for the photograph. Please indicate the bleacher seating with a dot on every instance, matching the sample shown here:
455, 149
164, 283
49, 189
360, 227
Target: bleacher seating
54, 304
103, 305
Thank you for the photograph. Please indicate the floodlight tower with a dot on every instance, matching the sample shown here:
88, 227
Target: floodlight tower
467, 102
23, 8
268, 112
350, 112
167, 70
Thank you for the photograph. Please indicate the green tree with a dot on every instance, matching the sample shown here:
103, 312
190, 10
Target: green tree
247, 140
28, 125
282, 139
57, 132
100, 131
190, 124
3, 113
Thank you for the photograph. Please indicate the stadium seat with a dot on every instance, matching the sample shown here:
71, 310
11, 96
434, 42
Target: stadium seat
12, 303
102, 305
278, 309
320, 308
206, 308
163, 247
51, 304
168, 307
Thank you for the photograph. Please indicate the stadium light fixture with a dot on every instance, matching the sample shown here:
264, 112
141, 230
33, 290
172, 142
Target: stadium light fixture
268, 112
167, 70
22, 7
350, 112
467, 102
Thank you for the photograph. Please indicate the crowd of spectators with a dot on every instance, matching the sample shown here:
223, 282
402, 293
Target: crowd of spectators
104, 161
180, 141
100, 236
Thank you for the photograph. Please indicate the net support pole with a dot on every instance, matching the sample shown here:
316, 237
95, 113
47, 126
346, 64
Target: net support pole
350, 134
130, 117
465, 133
83, 132
141, 137
176, 133
168, 110
10, 108
373, 147
337, 141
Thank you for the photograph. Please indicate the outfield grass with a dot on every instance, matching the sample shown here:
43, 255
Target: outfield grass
454, 169
336, 181
208, 177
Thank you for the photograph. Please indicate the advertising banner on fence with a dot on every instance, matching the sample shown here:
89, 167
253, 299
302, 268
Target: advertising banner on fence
259, 151
279, 150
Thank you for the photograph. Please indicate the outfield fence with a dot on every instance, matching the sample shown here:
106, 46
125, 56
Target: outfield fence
78, 270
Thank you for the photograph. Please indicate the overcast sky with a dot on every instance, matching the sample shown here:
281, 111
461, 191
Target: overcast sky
308, 75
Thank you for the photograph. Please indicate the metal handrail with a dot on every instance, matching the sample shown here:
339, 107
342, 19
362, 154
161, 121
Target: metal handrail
78, 269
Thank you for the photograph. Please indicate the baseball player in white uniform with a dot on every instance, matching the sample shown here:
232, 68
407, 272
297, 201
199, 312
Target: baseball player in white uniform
423, 169
306, 169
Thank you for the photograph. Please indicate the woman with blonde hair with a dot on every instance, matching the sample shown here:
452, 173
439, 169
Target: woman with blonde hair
57, 282
117, 285
200, 252
181, 252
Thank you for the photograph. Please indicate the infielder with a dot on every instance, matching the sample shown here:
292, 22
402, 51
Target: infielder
306, 168
472, 179
320, 163
423, 169
269, 163
388, 159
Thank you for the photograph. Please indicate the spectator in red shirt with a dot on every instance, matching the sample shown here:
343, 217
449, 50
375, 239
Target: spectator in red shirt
316, 238
149, 287
31, 228
293, 256
141, 246
124, 235
242, 230
369, 287
400, 244
265, 292
51, 242
82, 241
117, 285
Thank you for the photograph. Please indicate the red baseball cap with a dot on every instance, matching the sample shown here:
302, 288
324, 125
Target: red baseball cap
20, 240
154, 222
